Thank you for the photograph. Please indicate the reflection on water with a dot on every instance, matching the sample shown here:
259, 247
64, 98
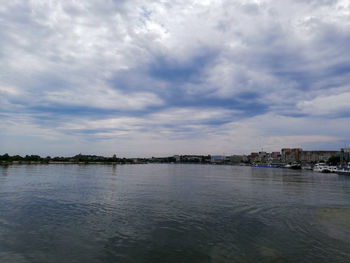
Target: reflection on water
335, 222
172, 213
4, 169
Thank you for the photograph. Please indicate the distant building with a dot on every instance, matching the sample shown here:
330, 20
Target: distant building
254, 157
291, 155
191, 158
177, 158
317, 156
298, 155
217, 159
263, 156
245, 158
234, 159
275, 158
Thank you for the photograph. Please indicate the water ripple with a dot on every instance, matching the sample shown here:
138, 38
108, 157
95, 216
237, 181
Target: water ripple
172, 213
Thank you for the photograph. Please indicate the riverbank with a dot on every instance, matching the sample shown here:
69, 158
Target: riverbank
68, 162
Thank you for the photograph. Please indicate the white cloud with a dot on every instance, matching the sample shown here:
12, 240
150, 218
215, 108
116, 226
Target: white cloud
9, 91
170, 121
328, 105
103, 98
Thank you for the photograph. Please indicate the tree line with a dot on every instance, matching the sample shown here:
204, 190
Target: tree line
79, 158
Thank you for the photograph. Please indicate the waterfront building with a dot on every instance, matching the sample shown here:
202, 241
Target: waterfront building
217, 159
245, 158
275, 158
289, 155
263, 156
317, 156
298, 155
235, 159
254, 157
177, 158
191, 158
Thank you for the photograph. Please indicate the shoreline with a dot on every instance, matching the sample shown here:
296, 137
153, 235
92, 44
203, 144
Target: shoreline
108, 163
46, 163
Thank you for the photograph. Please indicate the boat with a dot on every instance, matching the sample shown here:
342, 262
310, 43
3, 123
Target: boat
333, 169
321, 168
295, 166
306, 167
266, 165
344, 170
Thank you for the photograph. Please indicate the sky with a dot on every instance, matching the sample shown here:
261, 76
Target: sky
155, 78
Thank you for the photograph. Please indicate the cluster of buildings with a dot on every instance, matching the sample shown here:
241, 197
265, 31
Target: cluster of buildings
203, 159
298, 155
232, 159
180, 159
285, 156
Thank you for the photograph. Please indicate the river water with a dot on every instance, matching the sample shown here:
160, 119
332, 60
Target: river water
172, 213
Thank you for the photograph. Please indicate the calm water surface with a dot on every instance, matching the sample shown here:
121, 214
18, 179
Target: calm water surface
172, 213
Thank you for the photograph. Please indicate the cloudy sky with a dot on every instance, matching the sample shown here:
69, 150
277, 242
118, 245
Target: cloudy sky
150, 78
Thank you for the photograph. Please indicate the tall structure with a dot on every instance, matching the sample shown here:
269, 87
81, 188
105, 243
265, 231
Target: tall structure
275, 158
317, 156
291, 155
263, 157
254, 157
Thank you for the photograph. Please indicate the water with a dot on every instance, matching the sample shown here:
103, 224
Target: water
172, 213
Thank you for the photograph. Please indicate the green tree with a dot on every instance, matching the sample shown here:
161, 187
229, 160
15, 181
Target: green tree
5, 157
333, 160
